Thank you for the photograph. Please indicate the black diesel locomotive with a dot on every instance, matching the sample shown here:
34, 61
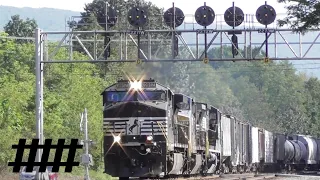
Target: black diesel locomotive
150, 131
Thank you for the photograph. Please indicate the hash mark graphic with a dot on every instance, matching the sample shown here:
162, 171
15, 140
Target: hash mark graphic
34, 146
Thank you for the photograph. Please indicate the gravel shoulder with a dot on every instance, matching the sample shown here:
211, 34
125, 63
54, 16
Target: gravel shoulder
298, 178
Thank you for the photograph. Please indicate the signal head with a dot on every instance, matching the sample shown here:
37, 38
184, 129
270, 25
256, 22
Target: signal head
112, 17
266, 14
204, 15
169, 19
137, 16
234, 17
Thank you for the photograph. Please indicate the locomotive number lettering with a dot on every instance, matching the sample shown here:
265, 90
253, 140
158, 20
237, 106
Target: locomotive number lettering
266, 31
123, 85
203, 31
148, 85
136, 32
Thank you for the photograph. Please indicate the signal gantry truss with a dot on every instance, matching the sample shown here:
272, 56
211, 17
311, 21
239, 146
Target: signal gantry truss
195, 40
280, 47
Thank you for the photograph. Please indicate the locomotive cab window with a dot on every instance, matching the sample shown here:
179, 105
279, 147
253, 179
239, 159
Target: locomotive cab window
134, 104
182, 102
125, 96
213, 120
152, 96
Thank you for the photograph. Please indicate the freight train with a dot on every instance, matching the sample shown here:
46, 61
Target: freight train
150, 131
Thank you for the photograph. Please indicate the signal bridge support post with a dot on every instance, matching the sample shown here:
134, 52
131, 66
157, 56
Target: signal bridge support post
39, 93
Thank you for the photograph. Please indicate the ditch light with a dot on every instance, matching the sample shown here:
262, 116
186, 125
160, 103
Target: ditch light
116, 139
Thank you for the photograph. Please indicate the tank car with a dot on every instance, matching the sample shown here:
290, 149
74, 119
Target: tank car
312, 149
300, 152
318, 154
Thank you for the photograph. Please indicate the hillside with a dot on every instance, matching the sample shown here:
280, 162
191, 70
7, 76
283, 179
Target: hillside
58, 19
47, 18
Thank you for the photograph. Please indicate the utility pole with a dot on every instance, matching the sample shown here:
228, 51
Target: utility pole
86, 158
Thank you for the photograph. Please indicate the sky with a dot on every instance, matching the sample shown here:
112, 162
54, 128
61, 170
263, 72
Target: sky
188, 6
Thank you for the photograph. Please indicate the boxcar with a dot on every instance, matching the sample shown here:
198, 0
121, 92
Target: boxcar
226, 148
269, 147
236, 145
258, 148
269, 158
244, 147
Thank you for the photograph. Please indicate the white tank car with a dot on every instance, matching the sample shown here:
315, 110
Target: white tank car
311, 146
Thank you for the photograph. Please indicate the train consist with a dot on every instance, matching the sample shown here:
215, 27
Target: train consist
150, 131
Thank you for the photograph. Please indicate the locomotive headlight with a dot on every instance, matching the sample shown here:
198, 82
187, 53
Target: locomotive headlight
116, 138
149, 138
136, 85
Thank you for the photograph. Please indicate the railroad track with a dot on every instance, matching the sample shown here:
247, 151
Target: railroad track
311, 174
246, 176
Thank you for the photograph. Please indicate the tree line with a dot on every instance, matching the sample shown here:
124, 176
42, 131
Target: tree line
269, 95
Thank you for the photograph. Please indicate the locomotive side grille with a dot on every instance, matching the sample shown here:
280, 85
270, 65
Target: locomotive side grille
158, 126
145, 126
114, 126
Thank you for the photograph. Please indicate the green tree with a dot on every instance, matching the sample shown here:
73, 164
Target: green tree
312, 104
16, 82
302, 14
20, 28
68, 90
97, 9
